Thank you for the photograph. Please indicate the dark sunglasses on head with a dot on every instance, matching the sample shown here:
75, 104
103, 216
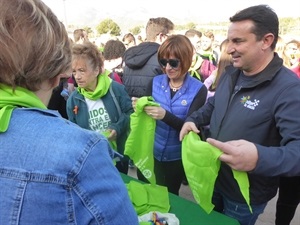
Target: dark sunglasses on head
174, 63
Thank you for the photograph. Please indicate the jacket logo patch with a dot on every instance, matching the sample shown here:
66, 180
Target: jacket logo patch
246, 101
183, 102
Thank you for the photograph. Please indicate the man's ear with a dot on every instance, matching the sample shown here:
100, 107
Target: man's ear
268, 39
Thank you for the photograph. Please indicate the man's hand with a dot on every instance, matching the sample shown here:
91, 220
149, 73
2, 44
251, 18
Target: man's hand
186, 128
240, 155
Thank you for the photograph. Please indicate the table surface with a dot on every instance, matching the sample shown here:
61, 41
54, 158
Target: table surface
190, 213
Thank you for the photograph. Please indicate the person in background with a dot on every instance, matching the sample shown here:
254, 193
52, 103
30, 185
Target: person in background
141, 63
113, 58
139, 40
195, 37
293, 51
129, 40
205, 58
80, 36
253, 116
207, 51
296, 68
99, 103
225, 60
178, 94
281, 51
289, 187
57, 101
56, 172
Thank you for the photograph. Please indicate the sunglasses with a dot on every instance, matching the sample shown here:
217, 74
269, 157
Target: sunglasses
174, 63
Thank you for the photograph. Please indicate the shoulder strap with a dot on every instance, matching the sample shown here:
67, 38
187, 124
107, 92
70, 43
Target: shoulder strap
115, 100
112, 75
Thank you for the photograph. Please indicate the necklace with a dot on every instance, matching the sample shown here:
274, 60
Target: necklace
174, 88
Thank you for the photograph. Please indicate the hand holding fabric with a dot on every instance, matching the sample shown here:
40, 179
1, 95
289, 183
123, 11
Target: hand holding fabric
240, 155
186, 128
156, 112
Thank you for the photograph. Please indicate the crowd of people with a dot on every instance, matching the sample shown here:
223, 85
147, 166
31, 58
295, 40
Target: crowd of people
69, 104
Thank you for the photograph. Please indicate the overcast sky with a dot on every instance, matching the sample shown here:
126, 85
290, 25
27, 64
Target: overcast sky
91, 12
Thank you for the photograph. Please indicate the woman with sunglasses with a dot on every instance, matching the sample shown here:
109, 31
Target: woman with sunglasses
178, 95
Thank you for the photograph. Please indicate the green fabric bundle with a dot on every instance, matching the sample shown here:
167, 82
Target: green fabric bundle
146, 197
139, 144
201, 165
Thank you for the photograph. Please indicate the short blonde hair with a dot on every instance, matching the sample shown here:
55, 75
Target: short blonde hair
89, 51
34, 44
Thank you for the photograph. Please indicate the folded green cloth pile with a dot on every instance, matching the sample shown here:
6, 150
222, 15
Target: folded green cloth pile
147, 197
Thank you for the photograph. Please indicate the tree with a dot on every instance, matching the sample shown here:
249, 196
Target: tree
136, 30
89, 31
108, 26
191, 25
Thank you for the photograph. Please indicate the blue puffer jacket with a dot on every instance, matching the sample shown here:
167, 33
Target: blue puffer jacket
167, 146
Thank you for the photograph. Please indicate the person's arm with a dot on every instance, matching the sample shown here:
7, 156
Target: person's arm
198, 119
283, 160
149, 88
201, 116
177, 123
280, 160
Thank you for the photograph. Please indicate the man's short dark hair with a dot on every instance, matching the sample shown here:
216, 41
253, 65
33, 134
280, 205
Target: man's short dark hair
264, 18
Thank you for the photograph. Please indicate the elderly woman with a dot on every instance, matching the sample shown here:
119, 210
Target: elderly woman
99, 103
44, 177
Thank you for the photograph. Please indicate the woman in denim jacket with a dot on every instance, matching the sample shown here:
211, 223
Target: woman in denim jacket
44, 177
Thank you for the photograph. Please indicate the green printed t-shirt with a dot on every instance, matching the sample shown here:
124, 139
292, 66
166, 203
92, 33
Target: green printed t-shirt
201, 165
140, 142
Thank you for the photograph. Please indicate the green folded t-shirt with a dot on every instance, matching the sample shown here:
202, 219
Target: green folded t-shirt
201, 165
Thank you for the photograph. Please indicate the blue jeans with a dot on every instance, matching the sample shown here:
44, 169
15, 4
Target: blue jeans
237, 210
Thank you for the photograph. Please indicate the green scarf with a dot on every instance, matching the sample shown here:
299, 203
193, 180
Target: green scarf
10, 99
208, 54
102, 87
140, 142
201, 165
195, 66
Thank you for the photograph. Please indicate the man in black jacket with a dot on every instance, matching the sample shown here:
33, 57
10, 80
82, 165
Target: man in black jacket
141, 63
253, 116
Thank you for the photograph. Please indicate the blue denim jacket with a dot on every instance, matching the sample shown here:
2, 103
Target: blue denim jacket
54, 172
